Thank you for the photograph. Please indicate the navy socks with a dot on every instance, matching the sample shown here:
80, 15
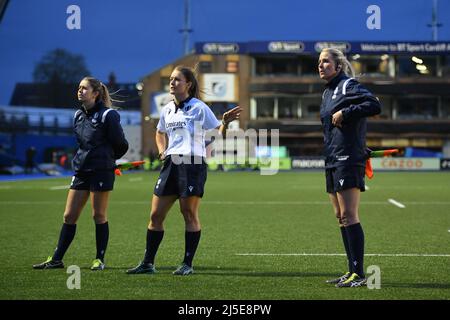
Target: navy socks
101, 237
347, 248
191, 242
154, 238
355, 236
65, 239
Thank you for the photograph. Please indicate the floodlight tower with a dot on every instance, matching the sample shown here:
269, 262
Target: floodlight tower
434, 23
187, 26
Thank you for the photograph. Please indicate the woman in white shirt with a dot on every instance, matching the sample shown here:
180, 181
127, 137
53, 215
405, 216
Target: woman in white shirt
184, 121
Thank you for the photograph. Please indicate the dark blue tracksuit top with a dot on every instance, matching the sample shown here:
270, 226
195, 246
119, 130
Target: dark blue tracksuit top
100, 139
346, 146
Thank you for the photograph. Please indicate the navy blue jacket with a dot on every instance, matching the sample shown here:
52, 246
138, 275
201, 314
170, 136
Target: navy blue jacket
100, 138
346, 146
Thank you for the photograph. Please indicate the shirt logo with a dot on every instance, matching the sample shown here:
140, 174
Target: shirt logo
342, 158
175, 124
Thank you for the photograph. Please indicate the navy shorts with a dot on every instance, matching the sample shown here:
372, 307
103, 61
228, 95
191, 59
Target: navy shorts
342, 178
183, 177
93, 181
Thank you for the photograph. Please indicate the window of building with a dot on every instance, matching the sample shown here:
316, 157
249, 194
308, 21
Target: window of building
309, 65
417, 108
205, 67
265, 108
445, 65
386, 107
276, 66
311, 107
370, 65
288, 108
417, 65
445, 109
232, 66
165, 84
219, 108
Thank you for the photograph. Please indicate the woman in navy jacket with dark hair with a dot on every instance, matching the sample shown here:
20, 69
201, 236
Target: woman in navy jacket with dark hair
101, 141
345, 106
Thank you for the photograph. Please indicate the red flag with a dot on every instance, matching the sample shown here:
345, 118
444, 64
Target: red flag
369, 170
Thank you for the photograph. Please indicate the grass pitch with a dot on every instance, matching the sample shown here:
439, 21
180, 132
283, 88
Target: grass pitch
263, 237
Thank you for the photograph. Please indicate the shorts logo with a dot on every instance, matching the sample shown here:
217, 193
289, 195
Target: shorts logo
101, 184
157, 183
73, 178
190, 188
341, 182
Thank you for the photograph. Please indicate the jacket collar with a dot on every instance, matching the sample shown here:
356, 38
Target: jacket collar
334, 82
94, 109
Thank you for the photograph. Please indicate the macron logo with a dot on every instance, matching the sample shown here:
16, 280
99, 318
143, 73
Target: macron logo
341, 182
190, 188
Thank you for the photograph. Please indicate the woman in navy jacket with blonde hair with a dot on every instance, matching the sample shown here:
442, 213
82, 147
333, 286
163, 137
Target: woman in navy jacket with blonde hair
345, 106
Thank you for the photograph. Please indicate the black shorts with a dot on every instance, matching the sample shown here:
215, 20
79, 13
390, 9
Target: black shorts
184, 178
342, 178
93, 181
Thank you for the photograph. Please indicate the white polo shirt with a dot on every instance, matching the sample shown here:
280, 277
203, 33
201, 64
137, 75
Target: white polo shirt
186, 128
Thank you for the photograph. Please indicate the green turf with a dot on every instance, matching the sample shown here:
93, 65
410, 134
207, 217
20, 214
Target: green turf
241, 213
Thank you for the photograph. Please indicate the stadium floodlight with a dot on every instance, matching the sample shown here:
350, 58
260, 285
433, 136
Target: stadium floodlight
421, 67
417, 60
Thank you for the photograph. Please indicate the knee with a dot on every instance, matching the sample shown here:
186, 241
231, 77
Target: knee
190, 217
156, 221
349, 218
69, 218
99, 216
337, 213
99, 219
342, 221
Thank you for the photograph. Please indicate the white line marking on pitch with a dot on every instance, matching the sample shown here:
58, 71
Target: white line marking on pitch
135, 179
59, 187
396, 203
367, 187
343, 254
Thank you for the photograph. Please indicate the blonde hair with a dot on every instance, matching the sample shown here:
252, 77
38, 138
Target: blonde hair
340, 60
103, 93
